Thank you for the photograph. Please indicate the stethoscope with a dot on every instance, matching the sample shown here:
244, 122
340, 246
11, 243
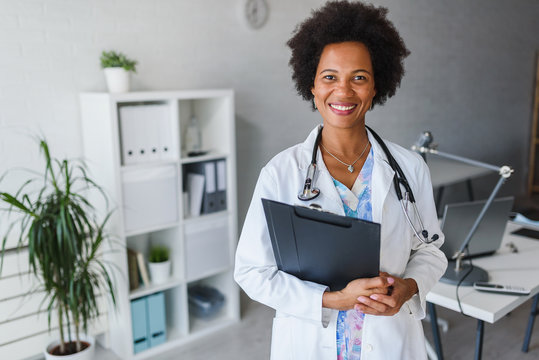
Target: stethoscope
310, 192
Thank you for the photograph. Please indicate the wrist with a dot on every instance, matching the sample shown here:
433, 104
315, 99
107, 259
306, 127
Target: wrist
332, 299
412, 286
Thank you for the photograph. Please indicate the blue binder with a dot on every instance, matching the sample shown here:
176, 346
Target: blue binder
156, 319
139, 317
149, 321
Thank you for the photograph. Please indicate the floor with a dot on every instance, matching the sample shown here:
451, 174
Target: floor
250, 339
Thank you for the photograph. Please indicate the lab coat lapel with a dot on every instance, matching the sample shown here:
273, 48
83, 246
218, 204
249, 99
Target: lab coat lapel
382, 179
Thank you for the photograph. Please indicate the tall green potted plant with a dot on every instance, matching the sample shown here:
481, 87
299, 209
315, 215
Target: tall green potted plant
64, 237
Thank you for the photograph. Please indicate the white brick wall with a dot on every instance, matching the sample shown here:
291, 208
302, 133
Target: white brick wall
49, 53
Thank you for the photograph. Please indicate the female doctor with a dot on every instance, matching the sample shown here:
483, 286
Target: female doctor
345, 58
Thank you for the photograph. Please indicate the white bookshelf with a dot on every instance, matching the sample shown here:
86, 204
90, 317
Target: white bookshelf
102, 142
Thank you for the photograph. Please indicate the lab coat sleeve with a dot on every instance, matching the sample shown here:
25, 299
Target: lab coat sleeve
427, 262
255, 268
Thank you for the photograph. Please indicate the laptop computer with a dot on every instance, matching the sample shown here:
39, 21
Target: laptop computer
459, 218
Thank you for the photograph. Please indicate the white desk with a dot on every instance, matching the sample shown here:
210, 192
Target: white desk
505, 267
445, 172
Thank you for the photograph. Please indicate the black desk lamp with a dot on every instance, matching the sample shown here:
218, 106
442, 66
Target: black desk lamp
454, 275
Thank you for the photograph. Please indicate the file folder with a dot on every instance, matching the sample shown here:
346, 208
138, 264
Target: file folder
150, 121
156, 319
211, 197
221, 185
139, 318
146, 133
321, 247
130, 149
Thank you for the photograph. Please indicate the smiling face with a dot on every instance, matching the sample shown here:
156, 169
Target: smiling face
344, 85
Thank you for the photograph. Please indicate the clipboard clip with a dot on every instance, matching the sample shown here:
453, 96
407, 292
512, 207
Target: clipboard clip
315, 207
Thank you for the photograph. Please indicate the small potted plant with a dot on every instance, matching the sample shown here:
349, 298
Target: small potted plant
159, 264
64, 239
117, 68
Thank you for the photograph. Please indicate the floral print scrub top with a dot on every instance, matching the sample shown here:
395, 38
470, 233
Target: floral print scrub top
357, 204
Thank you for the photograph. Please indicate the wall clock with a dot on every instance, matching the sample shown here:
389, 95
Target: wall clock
256, 13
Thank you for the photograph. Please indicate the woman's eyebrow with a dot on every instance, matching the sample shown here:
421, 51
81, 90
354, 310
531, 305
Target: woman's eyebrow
355, 71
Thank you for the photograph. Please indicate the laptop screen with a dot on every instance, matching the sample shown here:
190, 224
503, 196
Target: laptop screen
458, 220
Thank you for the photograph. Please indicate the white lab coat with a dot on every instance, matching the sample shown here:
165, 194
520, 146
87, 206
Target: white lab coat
302, 329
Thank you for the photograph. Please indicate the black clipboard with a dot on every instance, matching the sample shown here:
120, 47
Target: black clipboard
322, 247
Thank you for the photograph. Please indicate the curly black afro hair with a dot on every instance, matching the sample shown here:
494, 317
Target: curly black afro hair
340, 21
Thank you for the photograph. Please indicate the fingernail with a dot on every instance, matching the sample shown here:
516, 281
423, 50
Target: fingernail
374, 297
361, 299
390, 280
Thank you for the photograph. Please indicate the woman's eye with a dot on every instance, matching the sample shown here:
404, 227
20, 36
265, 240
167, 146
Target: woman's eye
360, 77
329, 77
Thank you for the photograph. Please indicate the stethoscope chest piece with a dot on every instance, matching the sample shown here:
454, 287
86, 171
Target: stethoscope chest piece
309, 192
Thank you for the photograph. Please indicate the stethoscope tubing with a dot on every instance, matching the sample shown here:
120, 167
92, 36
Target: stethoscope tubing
310, 192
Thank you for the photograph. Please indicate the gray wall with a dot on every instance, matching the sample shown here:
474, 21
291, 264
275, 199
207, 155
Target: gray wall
469, 78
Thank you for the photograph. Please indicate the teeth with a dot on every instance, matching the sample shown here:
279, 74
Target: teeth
342, 108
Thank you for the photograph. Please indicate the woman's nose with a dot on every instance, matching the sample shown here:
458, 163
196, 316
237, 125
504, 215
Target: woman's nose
344, 88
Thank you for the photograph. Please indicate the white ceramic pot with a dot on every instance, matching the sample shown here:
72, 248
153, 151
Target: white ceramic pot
86, 354
117, 79
160, 272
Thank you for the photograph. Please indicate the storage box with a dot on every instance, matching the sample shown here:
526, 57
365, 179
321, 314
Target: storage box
205, 301
150, 197
207, 247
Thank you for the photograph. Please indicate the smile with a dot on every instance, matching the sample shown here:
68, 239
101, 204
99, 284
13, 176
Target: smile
342, 107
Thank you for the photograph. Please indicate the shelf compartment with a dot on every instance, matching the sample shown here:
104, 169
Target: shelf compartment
150, 197
176, 322
212, 115
207, 247
142, 243
147, 132
226, 315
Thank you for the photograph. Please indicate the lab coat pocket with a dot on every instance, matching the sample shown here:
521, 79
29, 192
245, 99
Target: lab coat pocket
282, 342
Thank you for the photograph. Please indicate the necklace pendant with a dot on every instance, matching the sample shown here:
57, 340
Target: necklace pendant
350, 168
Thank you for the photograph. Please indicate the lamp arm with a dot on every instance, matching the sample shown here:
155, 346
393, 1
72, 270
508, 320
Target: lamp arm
461, 159
490, 199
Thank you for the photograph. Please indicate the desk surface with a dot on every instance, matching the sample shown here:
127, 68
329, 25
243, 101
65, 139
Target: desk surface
504, 267
445, 172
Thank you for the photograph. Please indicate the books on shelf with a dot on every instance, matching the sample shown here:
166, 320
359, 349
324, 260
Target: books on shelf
132, 270
137, 269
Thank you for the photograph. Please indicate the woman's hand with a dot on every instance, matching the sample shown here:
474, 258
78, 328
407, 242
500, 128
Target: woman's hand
346, 298
388, 304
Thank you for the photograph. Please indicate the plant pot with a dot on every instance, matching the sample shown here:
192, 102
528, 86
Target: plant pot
160, 272
117, 79
86, 354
